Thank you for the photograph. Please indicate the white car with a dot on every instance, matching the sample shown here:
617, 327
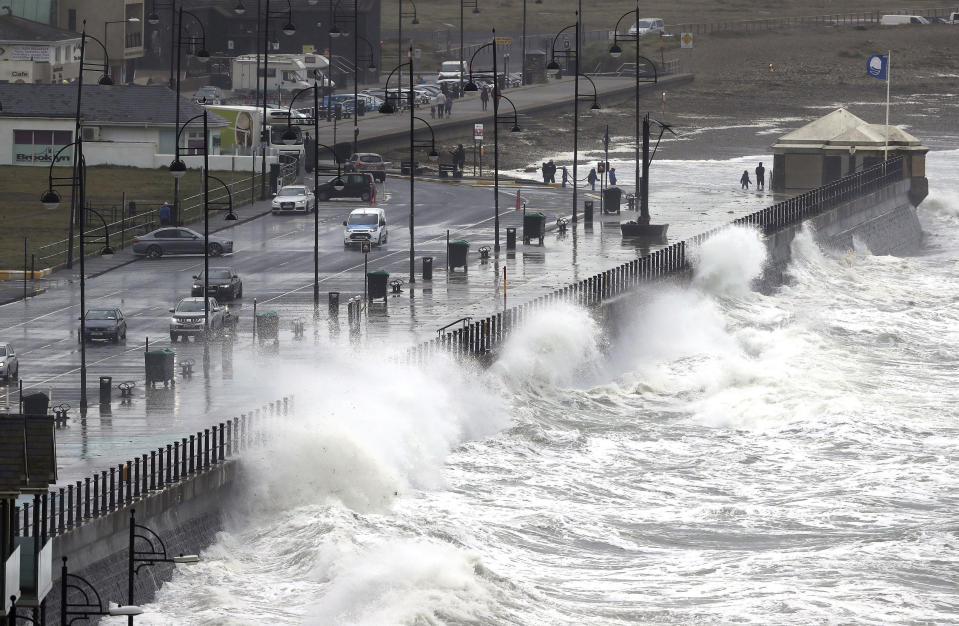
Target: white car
9, 365
294, 198
646, 26
368, 224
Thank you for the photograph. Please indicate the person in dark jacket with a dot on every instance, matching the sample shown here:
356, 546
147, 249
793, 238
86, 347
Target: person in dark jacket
744, 180
484, 97
760, 176
165, 214
612, 176
591, 178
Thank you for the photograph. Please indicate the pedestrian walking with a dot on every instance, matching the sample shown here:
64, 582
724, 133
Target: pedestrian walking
545, 170
440, 105
760, 176
459, 158
612, 176
551, 169
591, 178
484, 96
433, 108
565, 176
166, 213
744, 181
449, 106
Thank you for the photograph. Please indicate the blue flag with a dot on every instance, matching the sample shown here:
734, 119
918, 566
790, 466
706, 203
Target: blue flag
876, 66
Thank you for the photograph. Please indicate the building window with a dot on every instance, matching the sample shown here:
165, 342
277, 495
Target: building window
72, 20
38, 147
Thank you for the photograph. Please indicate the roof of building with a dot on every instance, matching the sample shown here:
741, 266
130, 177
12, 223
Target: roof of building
101, 104
842, 129
13, 28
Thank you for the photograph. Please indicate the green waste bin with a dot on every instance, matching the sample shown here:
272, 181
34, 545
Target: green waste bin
611, 200
457, 253
159, 366
268, 326
376, 283
534, 227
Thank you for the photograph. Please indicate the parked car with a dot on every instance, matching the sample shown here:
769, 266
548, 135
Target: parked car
224, 282
9, 364
187, 318
179, 240
896, 20
297, 198
647, 26
208, 95
368, 224
104, 325
368, 162
356, 185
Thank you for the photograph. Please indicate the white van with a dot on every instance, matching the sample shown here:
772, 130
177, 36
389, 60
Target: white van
896, 20
648, 25
367, 224
451, 69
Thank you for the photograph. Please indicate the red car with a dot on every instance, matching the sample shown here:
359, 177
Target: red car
368, 162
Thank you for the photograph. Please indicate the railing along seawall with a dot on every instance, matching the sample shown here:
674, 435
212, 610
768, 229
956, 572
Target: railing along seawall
477, 338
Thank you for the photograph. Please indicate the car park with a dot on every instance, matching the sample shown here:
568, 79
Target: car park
368, 162
179, 240
104, 325
187, 319
355, 185
295, 198
9, 364
223, 283
367, 224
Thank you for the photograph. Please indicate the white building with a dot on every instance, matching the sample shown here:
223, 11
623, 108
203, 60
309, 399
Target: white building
31, 52
132, 125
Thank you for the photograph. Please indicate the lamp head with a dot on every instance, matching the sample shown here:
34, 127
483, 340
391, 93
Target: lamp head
105, 80
50, 199
615, 50
107, 252
153, 18
188, 558
339, 184
239, 9
515, 128
125, 610
470, 86
387, 108
289, 137
289, 29
177, 168
475, 10
231, 216
433, 155
202, 55
552, 66
371, 66
335, 31
595, 106
416, 20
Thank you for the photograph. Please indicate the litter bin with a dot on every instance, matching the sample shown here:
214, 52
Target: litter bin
534, 227
511, 238
159, 366
588, 211
427, 268
105, 384
35, 403
361, 107
334, 304
611, 198
268, 326
457, 253
376, 284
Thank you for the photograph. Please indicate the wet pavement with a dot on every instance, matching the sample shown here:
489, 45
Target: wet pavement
274, 257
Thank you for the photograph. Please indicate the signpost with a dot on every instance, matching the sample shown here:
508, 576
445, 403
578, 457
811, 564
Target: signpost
477, 137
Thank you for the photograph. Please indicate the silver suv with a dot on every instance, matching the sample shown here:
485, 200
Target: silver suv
368, 162
187, 318
9, 365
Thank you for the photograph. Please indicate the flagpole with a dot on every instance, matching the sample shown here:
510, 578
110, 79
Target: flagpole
885, 147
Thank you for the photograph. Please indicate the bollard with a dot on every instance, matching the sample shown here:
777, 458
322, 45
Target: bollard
510, 238
588, 211
334, 300
427, 268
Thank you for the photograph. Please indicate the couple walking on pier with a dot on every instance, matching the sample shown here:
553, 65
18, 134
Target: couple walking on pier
760, 178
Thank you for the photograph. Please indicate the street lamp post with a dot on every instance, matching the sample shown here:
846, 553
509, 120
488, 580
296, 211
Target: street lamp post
148, 557
523, 80
263, 17
290, 136
615, 51
370, 65
497, 95
554, 67
72, 611
51, 199
131, 20
389, 108
399, 37
463, 5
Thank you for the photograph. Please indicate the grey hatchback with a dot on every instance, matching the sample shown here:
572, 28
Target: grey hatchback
179, 240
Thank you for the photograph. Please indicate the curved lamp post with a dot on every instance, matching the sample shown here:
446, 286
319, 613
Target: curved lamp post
370, 66
553, 67
156, 553
432, 155
202, 55
475, 5
290, 136
389, 108
615, 51
73, 611
399, 36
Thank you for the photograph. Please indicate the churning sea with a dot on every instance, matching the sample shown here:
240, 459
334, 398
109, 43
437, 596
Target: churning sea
731, 457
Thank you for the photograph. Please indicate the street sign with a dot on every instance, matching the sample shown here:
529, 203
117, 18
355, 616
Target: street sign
477, 132
686, 40
503, 41
566, 43
366, 247
417, 53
